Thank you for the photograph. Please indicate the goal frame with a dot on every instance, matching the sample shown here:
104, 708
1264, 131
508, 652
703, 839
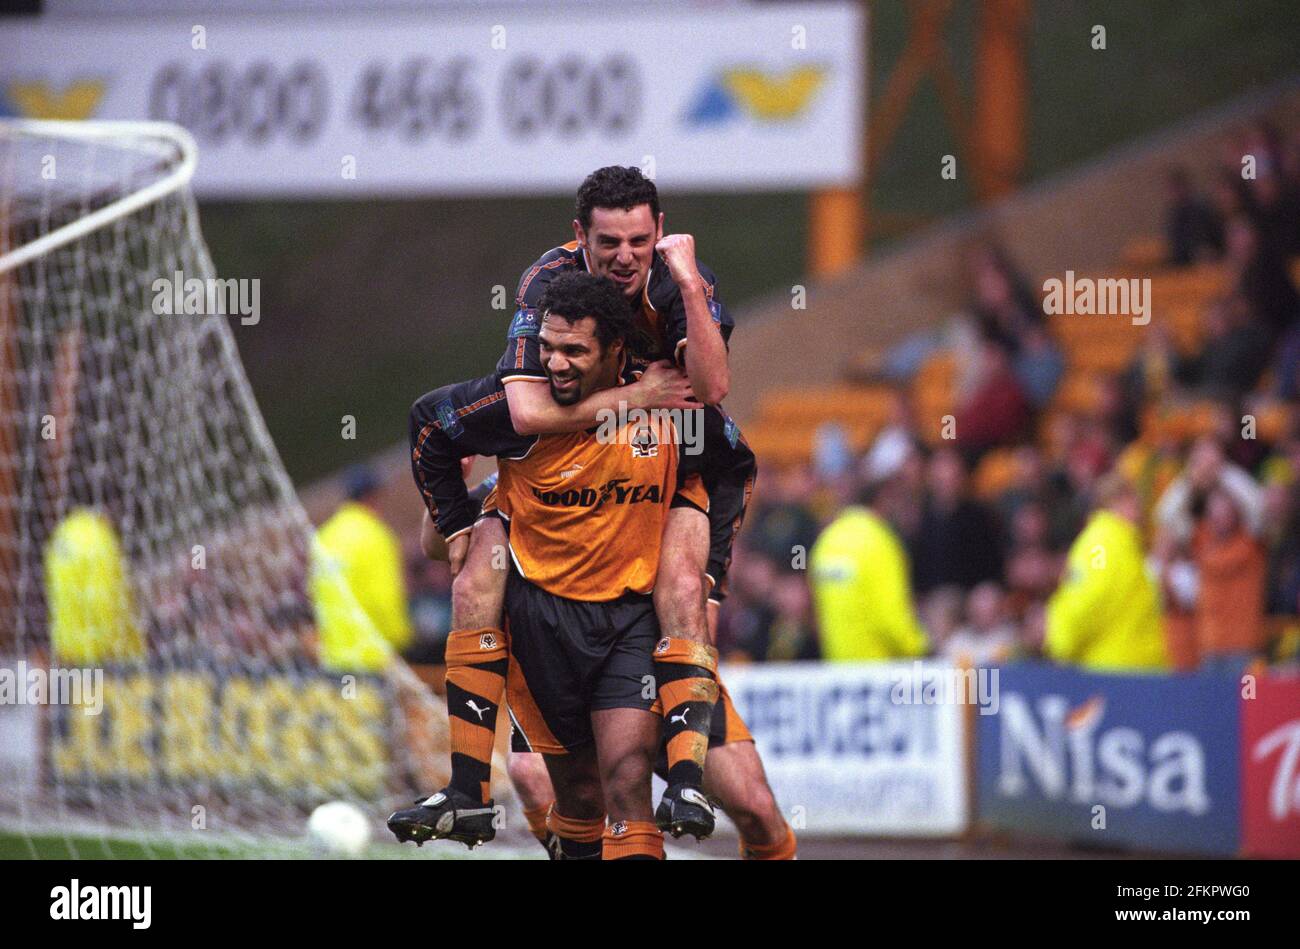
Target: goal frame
177, 178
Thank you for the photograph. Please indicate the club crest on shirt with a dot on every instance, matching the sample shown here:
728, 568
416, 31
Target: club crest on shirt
645, 444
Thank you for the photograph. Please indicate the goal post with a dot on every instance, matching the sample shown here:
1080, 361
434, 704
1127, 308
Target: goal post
153, 552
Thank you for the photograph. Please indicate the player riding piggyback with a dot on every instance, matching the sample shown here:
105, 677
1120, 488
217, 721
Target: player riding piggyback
678, 320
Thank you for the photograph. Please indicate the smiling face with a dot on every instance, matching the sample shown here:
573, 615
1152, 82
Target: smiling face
620, 245
576, 365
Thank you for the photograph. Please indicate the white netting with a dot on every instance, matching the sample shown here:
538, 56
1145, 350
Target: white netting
148, 531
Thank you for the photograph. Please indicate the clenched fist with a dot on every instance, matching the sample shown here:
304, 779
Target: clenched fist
678, 252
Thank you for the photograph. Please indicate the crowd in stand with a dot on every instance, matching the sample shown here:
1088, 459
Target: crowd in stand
1204, 529
1218, 516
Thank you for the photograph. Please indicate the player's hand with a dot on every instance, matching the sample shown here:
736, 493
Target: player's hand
457, 548
663, 386
678, 252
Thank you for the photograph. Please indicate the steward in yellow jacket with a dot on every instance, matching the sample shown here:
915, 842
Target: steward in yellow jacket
1105, 616
88, 593
358, 586
862, 592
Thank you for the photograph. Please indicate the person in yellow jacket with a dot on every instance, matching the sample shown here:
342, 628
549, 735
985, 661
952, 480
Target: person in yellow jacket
87, 589
861, 589
1105, 616
358, 585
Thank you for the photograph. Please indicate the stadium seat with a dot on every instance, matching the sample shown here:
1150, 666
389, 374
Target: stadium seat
1145, 253
995, 472
1077, 393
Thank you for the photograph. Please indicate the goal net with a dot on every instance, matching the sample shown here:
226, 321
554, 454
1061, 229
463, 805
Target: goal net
164, 686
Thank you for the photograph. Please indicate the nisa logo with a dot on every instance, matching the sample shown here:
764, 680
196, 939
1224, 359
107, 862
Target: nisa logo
1066, 755
38, 100
766, 96
616, 491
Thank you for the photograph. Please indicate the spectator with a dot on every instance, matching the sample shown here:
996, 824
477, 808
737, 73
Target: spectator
1033, 630
1282, 528
1032, 568
1193, 230
941, 614
1229, 612
996, 412
1207, 469
747, 610
1105, 617
987, 638
1004, 304
1039, 366
958, 541
1031, 484
1235, 351
1262, 278
1277, 211
1286, 365
782, 520
1231, 195
1210, 522
1155, 371
859, 575
783, 631
894, 455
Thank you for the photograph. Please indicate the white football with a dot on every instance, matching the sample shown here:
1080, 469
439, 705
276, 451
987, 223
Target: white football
339, 828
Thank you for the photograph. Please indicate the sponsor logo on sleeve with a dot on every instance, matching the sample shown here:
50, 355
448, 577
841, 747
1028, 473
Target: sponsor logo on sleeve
448, 419
525, 323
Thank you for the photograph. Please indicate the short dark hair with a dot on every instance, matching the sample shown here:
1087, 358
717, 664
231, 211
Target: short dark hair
576, 293
616, 186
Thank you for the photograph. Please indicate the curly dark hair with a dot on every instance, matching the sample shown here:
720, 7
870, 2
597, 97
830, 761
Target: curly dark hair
615, 186
576, 293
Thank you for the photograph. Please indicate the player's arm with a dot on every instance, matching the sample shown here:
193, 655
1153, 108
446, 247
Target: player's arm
447, 428
706, 350
436, 467
534, 412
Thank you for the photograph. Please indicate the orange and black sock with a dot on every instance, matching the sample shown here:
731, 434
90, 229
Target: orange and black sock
476, 682
536, 817
579, 839
633, 840
784, 849
686, 673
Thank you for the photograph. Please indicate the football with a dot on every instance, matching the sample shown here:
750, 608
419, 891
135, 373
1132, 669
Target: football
339, 828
